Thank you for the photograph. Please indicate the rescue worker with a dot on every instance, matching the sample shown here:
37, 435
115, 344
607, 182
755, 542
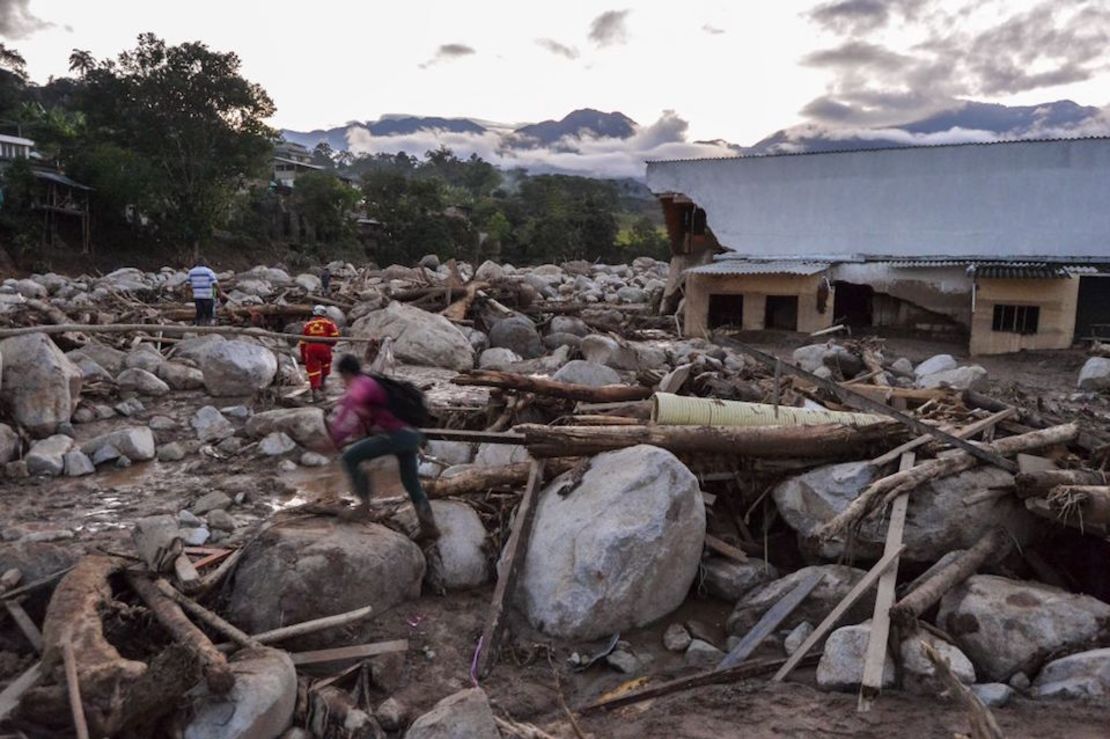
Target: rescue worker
364, 412
316, 355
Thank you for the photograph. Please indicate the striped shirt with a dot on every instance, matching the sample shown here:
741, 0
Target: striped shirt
202, 279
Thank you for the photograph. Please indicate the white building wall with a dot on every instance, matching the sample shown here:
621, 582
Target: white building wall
1027, 199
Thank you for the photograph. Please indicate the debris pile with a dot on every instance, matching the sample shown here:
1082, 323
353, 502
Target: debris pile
892, 525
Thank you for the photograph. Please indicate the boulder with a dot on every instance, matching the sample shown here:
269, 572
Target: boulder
837, 581
213, 501
172, 452
419, 337
488, 271
676, 638
630, 294
180, 376
451, 452
832, 356
517, 333
461, 545
260, 704
39, 384
499, 455
29, 289
703, 655
315, 567
583, 372
811, 499
498, 358
918, 673
276, 444
304, 425
796, 638
935, 364
730, 580
211, 425
237, 368
464, 715
145, 357
10, 444
391, 714
971, 377
1006, 626
553, 341
606, 350
569, 325
90, 370
993, 695
308, 282
620, 551
77, 464
142, 382
841, 665
47, 456
220, 520
1082, 675
195, 348
134, 442
1095, 375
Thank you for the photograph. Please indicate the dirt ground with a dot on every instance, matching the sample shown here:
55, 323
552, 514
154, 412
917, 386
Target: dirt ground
98, 512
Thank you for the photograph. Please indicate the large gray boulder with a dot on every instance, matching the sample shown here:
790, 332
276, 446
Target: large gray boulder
211, 425
619, 551
304, 425
419, 337
1006, 626
107, 357
315, 567
499, 455
583, 372
918, 673
811, 499
461, 544
935, 364
835, 583
261, 703
234, 368
841, 665
38, 383
10, 444
970, 377
1082, 675
47, 456
142, 382
569, 325
498, 358
180, 376
195, 348
134, 442
1095, 375
144, 356
464, 715
517, 333
606, 350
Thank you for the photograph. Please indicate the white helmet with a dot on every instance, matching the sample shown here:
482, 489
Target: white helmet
319, 310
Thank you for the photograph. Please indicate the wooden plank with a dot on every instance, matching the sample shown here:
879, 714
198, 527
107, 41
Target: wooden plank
8, 595
73, 689
483, 437
866, 583
12, 694
872, 682
25, 624
212, 559
770, 621
724, 548
342, 654
515, 551
305, 627
964, 432
186, 572
858, 400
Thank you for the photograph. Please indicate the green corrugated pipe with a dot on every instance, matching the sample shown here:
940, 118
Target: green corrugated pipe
680, 410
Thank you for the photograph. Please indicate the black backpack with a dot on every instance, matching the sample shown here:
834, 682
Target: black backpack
405, 401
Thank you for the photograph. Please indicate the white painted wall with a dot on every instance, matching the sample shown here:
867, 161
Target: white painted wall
1029, 199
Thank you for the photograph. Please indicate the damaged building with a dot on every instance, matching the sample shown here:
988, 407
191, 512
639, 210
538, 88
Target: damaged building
1004, 245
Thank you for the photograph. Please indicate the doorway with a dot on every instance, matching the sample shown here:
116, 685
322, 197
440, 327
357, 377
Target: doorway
781, 313
726, 310
852, 304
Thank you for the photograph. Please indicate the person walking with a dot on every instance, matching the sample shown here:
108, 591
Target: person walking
205, 289
316, 355
364, 412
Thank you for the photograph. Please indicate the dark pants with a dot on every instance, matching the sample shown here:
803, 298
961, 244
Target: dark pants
206, 310
403, 444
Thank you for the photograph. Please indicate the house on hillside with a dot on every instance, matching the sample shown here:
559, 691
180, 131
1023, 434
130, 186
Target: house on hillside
62, 202
1004, 244
291, 160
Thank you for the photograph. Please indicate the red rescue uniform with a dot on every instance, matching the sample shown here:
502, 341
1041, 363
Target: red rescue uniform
316, 355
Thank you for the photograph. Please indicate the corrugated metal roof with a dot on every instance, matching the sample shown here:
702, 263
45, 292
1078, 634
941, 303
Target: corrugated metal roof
744, 267
61, 179
1020, 271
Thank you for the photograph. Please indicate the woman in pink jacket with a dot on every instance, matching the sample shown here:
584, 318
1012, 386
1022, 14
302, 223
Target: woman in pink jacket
363, 413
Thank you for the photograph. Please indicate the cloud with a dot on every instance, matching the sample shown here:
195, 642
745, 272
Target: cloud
17, 21
609, 28
589, 156
711, 29
448, 52
558, 49
1046, 45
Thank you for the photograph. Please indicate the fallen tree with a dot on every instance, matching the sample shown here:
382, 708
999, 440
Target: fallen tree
553, 388
768, 442
1033, 484
479, 479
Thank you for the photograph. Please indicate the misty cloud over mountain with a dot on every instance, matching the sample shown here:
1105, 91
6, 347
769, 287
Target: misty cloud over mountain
595, 143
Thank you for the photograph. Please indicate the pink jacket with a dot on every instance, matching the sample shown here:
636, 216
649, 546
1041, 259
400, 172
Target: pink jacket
362, 409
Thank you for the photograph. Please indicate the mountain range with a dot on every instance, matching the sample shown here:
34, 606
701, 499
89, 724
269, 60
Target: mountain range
597, 143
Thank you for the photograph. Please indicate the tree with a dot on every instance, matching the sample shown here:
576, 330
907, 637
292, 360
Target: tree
192, 116
326, 202
13, 80
323, 155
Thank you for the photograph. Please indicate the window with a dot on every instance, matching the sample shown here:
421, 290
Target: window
1016, 319
781, 312
726, 310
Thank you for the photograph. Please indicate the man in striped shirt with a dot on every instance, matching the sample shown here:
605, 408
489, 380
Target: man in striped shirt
205, 289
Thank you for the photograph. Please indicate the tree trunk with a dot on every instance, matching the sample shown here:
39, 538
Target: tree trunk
1032, 484
553, 388
477, 479
1087, 504
768, 442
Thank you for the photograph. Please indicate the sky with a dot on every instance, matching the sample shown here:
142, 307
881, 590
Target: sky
731, 70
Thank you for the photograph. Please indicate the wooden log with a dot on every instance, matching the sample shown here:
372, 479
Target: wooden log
473, 437
73, 690
216, 576
992, 546
481, 479
26, 625
217, 672
872, 683
553, 388
306, 627
171, 328
158, 541
856, 400
458, 309
1031, 484
724, 549
186, 572
912, 396
216, 621
983, 725
512, 564
1086, 504
770, 621
904, 481
15, 690
342, 654
964, 432
866, 583
768, 442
